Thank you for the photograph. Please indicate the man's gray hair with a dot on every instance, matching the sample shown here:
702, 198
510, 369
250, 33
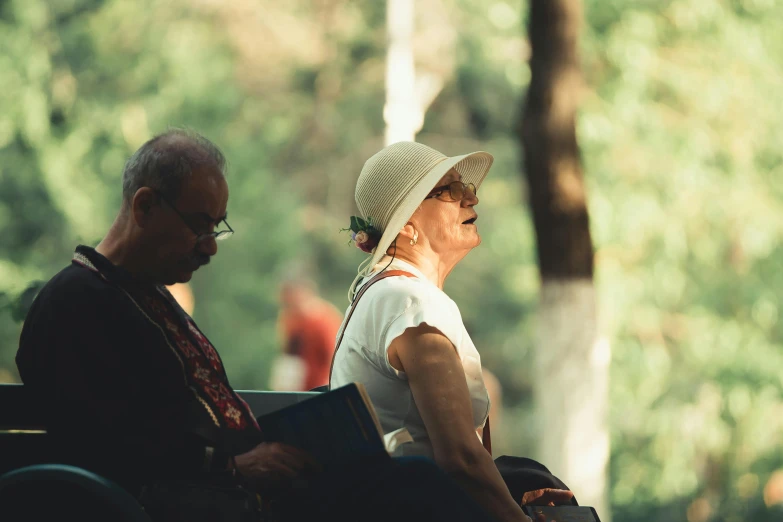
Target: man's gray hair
165, 161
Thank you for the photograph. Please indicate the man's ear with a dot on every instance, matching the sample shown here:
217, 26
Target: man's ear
144, 205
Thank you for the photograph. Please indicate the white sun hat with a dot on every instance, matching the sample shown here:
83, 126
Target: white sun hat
395, 181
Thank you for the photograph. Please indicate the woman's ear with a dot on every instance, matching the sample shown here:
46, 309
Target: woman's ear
408, 232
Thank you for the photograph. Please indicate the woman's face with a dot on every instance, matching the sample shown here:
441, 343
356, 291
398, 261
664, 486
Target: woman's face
448, 225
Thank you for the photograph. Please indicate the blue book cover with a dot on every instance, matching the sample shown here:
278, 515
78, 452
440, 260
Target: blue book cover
335, 426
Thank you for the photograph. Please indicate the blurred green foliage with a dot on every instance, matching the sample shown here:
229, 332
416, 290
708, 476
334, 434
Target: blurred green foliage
682, 147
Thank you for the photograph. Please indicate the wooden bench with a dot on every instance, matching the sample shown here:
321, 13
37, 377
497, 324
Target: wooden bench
23, 439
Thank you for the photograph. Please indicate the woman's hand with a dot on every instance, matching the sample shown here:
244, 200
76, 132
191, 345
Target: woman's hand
546, 497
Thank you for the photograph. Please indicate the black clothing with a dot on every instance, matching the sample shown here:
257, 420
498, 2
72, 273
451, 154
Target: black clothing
131, 389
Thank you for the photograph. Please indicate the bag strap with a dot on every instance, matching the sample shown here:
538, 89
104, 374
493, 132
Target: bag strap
382, 275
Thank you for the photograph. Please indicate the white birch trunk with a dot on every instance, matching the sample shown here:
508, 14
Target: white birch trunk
571, 390
408, 94
401, 112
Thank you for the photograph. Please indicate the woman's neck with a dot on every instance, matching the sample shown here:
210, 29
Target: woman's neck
432, 267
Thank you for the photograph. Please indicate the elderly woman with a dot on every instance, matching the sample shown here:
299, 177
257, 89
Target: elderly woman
403, 337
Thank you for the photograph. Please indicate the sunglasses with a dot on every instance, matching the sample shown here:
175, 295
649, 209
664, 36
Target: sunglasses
456, 190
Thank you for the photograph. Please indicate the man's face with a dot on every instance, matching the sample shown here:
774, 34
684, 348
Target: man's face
199, 208
292, 296
287, 296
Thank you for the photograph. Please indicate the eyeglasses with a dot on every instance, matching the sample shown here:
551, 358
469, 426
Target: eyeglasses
219, 235
457, 190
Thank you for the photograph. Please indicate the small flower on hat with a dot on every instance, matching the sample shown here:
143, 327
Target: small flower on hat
364, 235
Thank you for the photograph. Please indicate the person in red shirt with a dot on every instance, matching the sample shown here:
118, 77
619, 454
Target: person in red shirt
308, 328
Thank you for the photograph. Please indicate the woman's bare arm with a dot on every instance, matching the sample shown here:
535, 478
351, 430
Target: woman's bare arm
437, 381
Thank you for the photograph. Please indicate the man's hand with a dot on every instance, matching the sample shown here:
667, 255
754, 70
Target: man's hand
546, 497
272, 465
539, 518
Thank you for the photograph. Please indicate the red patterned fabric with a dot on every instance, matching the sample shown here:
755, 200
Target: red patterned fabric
202, 363
203, 366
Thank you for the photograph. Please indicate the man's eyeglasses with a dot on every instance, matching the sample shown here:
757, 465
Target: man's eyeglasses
456, 190
219, 235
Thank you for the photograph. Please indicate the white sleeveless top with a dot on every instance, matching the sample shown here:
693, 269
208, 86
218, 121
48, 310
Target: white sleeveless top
384, 312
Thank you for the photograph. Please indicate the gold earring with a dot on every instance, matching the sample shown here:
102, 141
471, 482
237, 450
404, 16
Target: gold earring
415, 237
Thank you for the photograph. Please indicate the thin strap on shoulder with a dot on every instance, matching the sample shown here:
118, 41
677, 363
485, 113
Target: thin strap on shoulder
382, 275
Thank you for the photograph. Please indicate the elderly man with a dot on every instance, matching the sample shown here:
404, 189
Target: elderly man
136, 392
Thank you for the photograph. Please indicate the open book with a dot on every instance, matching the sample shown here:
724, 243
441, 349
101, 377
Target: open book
335, 426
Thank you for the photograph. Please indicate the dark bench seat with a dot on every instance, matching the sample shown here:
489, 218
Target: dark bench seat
27, 471
23, 430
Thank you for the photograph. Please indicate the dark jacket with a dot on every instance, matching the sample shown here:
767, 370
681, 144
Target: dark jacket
119, 395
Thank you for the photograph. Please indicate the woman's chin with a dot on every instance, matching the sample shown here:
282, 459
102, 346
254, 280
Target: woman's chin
475, 241
478, 236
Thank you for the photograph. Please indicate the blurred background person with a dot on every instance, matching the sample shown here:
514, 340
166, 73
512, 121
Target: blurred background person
183, 294
307, 327
495, 392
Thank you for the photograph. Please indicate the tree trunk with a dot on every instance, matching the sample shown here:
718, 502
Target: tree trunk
571, 362
401, 112
408, 94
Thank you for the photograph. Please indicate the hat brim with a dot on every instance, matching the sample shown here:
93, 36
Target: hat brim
472, 167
